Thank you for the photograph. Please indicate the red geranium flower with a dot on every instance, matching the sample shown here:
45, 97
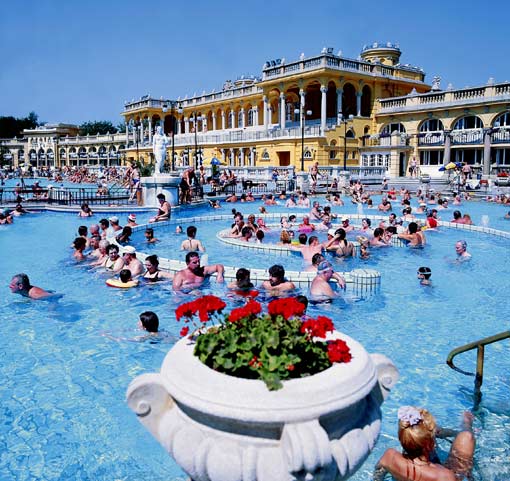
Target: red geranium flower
338, 351
251, 308
317, 327
184, 331
288, 307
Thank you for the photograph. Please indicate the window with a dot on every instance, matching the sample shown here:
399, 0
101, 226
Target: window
308, 154
471, 122
431, 125
265, 155
431, 157
390, 128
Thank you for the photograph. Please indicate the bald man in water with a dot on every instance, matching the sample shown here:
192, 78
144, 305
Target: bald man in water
20, 284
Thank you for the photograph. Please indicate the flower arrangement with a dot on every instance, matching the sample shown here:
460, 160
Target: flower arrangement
274, 346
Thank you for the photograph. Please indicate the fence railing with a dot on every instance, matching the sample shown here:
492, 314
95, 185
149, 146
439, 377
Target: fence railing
64, 196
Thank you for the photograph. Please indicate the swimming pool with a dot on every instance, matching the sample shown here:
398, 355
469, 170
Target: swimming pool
68, 364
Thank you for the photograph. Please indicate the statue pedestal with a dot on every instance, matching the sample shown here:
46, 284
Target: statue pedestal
166, 184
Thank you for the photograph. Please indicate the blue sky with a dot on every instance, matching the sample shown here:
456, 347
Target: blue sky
77, 61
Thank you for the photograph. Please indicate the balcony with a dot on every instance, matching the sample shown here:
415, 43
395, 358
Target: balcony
501, 135
467, 136
447, 98
385, 141
431, 138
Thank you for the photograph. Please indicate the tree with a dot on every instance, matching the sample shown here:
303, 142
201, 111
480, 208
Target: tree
11, 127
97, 127
121, 127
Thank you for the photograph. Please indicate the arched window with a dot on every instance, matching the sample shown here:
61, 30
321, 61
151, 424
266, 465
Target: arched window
366, 101
468, 122
265, 155
251, 117
502, 120
431, 125
391, 128
350, 134
307, 154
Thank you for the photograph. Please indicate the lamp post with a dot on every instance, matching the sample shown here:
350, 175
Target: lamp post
173, 103
303, 115
196, 119
345, 121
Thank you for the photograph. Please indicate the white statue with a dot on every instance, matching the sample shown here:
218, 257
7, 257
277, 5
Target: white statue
159, 143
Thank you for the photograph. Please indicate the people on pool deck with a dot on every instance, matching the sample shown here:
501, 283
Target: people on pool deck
193, 275
461, 250
149, 236
277, 284
79, 245
153, 273
131, 262
320, 286
413, 236
424, 274
417, 433
113, 262
192, 244
20, 284
149, 321
164, 210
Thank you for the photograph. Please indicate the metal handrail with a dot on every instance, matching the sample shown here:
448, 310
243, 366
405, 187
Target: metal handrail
480, 346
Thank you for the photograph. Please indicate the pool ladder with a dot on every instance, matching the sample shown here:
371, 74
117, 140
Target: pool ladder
480, 346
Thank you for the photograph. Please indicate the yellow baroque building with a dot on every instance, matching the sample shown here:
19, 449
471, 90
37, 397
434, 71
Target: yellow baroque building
319, 108
372, 113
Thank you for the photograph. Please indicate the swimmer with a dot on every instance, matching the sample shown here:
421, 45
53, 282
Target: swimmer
413, 236
131, 220
313, 247
417, 432
113, 262
320, 286
85, 210
79, 245
149, 236
277, 284
192, 244
178, 229
125, 280
149, 322
20, 284
364, 253
424, 274
260, 236
131, 262
164, 211
305, 226
243, 285
153, 273
461, 250
194, 275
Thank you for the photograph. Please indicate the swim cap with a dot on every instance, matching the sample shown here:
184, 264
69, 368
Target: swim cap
324, 266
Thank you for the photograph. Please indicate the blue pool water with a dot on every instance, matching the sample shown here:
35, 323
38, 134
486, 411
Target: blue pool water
67, 364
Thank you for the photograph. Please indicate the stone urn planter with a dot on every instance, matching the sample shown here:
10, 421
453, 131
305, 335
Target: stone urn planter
222, 428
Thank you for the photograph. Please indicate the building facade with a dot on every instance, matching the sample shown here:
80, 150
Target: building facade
369, 112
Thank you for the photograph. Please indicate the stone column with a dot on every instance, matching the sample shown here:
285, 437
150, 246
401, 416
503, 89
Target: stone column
186, 125
266, 112
232, 157
214, 121
447, 147
150, 128
179, 126
255, 116
486, 152
358, 104
242, 122
323, 108
252, 156
223, 156
141, 132
223, 120
339, 93
301, 107
282, 110
241, 157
